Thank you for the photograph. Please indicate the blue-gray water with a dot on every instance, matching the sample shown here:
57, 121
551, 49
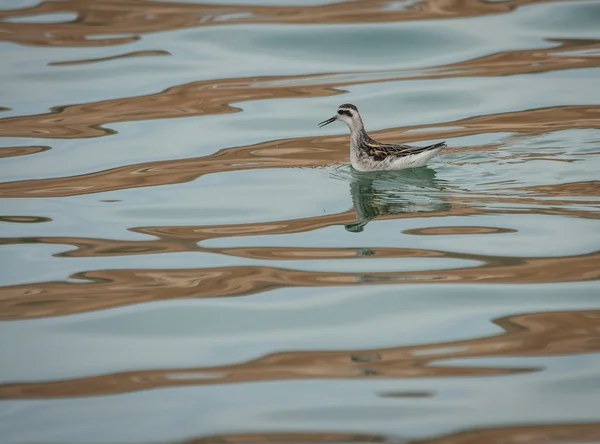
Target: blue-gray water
187, 258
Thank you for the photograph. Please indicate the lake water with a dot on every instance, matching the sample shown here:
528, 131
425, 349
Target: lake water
187, 258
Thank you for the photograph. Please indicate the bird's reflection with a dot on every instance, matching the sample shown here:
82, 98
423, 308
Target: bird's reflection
393, 192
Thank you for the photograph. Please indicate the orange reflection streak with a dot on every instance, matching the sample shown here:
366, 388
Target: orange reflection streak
525, 335
113, 288
298, 152
214, 96
135, 17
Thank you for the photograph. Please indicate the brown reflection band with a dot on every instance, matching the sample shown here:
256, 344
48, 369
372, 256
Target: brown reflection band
530, 434
103, 289
525, 335
209, 97
13, 151
134, 17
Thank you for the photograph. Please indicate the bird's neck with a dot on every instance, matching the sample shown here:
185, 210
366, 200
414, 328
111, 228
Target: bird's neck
358, 133
358, 139
357, 129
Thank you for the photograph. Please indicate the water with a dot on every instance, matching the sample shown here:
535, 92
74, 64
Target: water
187, 258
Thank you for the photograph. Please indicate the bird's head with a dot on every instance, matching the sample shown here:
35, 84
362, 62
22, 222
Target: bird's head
348, 114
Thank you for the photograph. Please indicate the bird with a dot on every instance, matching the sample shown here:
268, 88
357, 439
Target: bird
366, 154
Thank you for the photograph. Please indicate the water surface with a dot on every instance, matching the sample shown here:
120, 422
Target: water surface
188, 258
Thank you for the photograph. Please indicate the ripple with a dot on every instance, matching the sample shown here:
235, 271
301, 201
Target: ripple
104, 17
531, 334
102, 289
215, 97
300, 152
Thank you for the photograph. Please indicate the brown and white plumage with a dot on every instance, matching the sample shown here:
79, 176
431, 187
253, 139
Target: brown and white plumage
366, 154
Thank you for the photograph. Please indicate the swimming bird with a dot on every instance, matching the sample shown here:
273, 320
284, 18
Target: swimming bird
366, 154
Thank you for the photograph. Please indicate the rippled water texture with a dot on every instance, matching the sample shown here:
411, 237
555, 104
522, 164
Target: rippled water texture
188, 258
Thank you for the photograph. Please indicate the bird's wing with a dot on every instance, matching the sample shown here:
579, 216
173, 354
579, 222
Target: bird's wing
381, 151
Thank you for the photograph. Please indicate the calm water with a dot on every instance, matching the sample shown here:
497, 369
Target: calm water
187, 258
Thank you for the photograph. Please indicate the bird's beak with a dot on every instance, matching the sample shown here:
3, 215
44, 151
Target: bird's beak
327, 122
